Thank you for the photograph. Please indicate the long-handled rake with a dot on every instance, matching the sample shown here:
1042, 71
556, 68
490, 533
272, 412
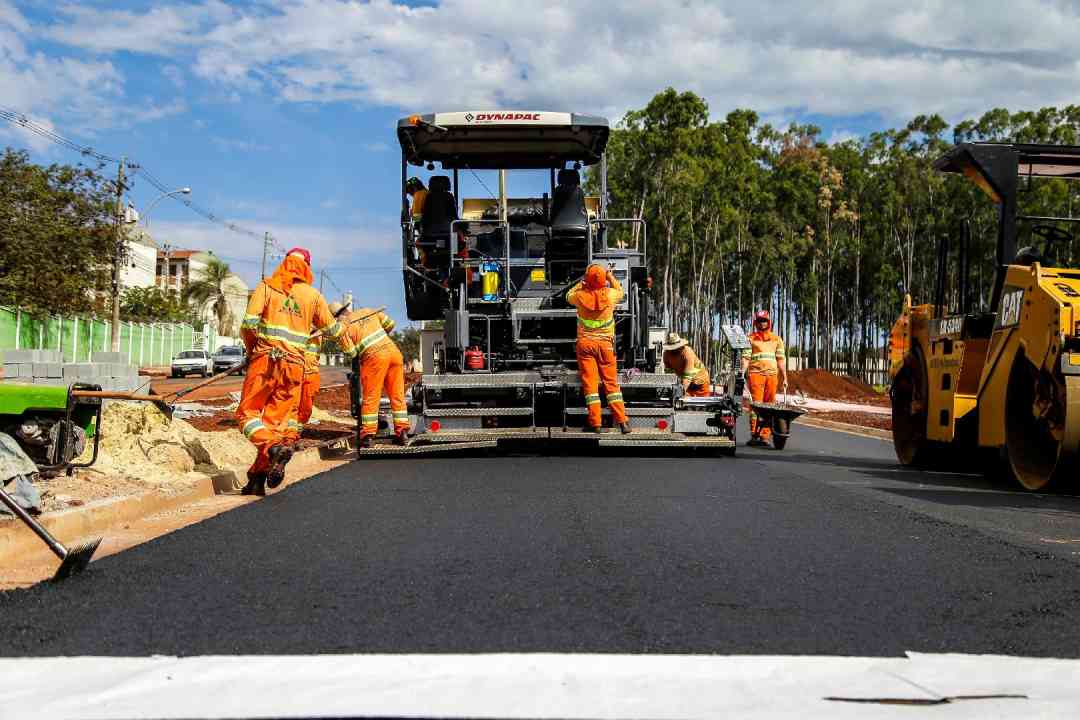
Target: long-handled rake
72, 561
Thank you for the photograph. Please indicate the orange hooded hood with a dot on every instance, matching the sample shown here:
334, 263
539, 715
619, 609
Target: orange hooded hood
593, 295
292, 270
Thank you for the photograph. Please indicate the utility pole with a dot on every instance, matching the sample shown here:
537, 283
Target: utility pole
118, 258
322, 274
266, 244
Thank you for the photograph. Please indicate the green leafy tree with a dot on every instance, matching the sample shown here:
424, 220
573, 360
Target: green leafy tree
152, 304
408, 341
212, 290
57, 237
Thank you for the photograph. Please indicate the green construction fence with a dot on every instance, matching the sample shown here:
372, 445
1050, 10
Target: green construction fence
77, 337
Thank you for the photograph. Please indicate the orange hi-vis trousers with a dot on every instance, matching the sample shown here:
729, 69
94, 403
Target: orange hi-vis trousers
270, 395
596, 364
382, 368
762, 389
294, 426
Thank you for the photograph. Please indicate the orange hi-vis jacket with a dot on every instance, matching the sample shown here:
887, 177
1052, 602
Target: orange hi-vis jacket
766, 351
684, 362
369, 333
596, 324
282, 324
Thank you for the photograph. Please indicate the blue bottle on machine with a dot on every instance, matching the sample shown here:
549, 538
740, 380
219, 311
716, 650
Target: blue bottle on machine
489, 269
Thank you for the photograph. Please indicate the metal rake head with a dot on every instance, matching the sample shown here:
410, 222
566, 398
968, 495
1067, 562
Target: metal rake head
76, 560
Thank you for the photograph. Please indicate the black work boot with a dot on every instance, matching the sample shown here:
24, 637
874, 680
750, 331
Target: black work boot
256, 484
625, 428
365, 442
280, 455
401, 438
595, 430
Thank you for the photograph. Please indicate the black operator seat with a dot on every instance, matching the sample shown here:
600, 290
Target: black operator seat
569, 218
440, 209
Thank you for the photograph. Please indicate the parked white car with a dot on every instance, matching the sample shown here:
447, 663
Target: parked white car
192, 362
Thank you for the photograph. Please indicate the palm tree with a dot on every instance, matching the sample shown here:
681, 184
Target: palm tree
211, 290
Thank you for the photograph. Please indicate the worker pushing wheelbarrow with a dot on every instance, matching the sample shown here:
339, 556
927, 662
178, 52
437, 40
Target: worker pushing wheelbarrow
765, 365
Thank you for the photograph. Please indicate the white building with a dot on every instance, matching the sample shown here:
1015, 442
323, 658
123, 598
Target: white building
140, 265
177, 268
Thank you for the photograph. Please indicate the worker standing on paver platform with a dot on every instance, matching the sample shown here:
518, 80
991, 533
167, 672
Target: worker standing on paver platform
681, 359
767, 366
282, 314
382, 368
595, 298
414, 186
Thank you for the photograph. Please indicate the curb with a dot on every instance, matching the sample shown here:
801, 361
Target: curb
846, 427
93, 519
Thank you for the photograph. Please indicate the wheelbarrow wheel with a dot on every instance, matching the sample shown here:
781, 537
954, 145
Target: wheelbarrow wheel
780, 430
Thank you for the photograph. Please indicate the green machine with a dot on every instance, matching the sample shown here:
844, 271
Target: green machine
52, 423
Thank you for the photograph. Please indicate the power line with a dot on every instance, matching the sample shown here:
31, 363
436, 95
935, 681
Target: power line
21, 120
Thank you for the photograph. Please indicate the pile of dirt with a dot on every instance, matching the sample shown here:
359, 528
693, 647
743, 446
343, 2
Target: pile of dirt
824, 385
140, 444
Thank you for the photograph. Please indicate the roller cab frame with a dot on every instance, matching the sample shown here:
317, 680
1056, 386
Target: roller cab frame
1006, 381
488, 278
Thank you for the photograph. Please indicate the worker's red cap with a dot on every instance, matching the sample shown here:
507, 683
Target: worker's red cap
301, 252
761, 315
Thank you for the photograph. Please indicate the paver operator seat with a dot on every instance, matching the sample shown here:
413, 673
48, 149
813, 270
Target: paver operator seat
440, 209
568, 230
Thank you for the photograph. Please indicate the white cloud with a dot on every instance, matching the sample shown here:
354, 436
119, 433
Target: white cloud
80, 94
235, 145
850, 57
839, 135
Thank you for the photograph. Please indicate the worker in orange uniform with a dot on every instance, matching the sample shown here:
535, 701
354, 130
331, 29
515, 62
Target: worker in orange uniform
382, 368
681, 359
282, 314
595, 298
312, 381
767, 365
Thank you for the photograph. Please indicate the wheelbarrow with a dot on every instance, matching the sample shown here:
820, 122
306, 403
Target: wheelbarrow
778, 418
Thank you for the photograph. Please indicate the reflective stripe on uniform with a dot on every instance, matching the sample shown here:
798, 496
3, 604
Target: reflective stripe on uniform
252, 426
285, 335
387, 324
763, 356
592, 399
398, 414
595, 324
614, 397
372, 340
333, 329
369, 418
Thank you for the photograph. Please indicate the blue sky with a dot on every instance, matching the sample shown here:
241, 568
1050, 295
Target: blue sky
280, 115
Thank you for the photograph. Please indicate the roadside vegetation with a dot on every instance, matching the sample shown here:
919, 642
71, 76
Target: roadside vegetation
827, 236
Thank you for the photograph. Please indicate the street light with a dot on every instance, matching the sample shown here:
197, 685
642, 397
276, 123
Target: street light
159, 198
146, 217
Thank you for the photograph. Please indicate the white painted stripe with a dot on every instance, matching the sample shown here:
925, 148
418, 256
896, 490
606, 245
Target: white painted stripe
531, 686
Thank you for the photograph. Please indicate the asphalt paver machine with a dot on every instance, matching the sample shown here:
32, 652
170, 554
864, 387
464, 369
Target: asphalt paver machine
1005, 381
488, 277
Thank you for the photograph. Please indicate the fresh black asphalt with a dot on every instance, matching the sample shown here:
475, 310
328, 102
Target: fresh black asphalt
825, 548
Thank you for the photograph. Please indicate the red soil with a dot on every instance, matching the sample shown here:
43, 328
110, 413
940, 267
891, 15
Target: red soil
824, 385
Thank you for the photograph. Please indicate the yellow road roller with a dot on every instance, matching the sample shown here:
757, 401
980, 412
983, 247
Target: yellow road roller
1008, 379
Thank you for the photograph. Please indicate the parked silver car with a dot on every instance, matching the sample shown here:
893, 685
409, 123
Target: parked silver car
192, 362
228, 357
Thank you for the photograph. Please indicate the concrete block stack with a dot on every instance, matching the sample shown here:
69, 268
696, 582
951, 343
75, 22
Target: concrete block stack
110, 370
